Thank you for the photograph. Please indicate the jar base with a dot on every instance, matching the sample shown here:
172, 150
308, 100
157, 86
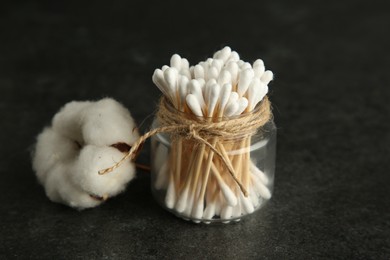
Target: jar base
216, 219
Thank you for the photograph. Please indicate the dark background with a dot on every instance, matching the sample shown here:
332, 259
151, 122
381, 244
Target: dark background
330, 95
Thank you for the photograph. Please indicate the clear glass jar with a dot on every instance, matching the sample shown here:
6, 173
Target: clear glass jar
192, 182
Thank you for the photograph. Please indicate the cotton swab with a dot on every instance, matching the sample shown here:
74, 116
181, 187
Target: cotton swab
232, 67
253, 91
224, 77
259, 174
212, 73
234, 57
258, 63
258, 68
246, 204
159, 81
232, 105
245, 78
183, 202
198, 72
242, 105
216, 63
170, 197
176, 62
227, 213
171, 76
223, 54
193, 104
267, 77
225, 93
245, 66
262, 190
195, 88
225, 189
183, 92
212, 99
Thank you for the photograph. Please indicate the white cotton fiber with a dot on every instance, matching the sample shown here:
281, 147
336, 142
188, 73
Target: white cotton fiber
69, 155
68, 120
60, 189
94, 158
51, 149
107, 122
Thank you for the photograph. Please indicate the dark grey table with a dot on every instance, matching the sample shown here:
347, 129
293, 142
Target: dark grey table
331, 98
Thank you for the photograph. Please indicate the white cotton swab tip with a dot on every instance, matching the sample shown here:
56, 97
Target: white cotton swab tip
237, 210
197, 210
182, 201
224, 77
224, 96
170, 76
196, 88
159, 81
262, 190
245, 78
242, 105
217, 63
259, 70
232, 67
258, 63
234, 57
212, 73
194, 105
185, 64
209, 211
213, 95
234, 97
198, 72
259, 174
245, 66
267, 77
170, 196
176, 61
246, 204
183, 90
231, 108
225, 53
227, 213
253, 92
228, 194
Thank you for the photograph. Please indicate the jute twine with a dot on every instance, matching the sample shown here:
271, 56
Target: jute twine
201, 129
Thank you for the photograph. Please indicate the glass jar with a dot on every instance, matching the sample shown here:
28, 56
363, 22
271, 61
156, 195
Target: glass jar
191, 181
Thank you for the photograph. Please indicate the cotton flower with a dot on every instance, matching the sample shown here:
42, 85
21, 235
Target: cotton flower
85, 137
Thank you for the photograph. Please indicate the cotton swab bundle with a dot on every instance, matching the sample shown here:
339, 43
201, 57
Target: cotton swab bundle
85, 137
216, 89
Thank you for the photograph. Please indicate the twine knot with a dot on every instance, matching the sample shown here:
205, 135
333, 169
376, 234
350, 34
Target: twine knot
202, 129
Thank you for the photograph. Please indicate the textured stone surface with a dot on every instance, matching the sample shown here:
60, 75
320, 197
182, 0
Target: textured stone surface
331, 103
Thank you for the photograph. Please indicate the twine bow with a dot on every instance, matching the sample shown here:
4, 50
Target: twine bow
201, 130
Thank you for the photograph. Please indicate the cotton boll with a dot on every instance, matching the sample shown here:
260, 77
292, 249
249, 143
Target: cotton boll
85, 137
94, 158
107, 122
69, 119
51, 149
60, 189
